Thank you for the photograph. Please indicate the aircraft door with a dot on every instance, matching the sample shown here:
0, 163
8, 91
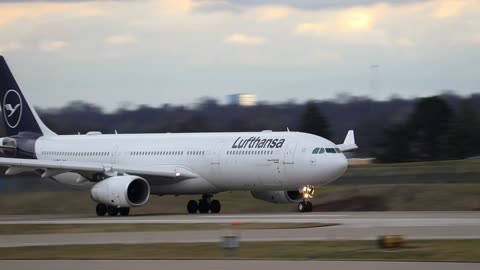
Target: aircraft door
115, 156
289, 155
215, 172
216, 154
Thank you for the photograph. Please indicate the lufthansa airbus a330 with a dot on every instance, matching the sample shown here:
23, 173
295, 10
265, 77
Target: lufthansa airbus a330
123, 170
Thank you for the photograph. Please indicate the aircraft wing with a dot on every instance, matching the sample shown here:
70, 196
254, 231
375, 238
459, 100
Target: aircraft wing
349, 142
50, 168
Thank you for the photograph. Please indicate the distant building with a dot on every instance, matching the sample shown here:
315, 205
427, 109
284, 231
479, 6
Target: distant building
242, 99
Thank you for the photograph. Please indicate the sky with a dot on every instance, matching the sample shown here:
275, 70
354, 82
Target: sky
153, 52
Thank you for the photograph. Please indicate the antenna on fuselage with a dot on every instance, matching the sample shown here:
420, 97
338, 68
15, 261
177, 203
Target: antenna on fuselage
288, 130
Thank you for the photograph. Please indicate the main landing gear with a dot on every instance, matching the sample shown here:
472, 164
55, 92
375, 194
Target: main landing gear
103, 209
305, 205
204, 205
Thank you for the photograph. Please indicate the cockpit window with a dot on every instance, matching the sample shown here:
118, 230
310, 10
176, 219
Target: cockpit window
315, 151
338, 150
322, 150
331, 150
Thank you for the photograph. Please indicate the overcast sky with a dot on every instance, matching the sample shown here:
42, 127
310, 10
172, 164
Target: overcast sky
176, 51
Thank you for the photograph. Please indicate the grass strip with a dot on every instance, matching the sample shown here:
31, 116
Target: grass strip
15, 229
421, 250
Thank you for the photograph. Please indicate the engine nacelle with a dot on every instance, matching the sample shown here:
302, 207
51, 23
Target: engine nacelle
280, 196
122, 191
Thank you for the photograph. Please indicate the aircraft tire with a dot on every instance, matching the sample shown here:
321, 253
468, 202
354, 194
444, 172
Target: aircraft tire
124, 211
309, 206
112, 210
215, 206
192, 207
101, 209
302, 207
203, 206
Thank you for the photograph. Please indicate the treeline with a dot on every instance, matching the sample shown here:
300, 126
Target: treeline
396, 130
433, 131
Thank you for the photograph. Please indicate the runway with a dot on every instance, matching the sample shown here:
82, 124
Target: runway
351, 226
419, 218
226, 264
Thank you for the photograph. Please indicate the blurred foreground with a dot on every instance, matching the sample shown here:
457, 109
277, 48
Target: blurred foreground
425, 250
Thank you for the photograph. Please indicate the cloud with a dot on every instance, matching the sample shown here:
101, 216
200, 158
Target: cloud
307, 5
475, 39
176, 7
244, 39
277, 44
355, 20
405, 42
450, 8
121, 39
10, 46
52, 45
312, 28
12, 11
349, 21
380, 25
274, 13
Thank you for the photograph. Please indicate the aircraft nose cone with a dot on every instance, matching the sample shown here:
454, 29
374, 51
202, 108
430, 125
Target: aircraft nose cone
340, 165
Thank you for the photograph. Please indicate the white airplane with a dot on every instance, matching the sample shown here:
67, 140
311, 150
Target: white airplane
122, 170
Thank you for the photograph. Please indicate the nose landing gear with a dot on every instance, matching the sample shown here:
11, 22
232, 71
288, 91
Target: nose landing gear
306, 205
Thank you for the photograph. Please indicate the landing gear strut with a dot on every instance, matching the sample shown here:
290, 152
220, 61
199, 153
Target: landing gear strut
103, 209
306, 205
204, 205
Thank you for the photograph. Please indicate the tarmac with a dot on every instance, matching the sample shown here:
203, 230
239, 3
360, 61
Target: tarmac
227, 264
344, 226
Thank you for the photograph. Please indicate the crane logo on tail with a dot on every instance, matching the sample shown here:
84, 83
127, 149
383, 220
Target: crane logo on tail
12, 108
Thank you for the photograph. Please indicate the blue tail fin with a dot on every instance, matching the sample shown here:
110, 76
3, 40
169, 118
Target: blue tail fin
17, 114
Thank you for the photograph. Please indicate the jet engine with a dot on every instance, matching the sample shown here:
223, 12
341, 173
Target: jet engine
121, 191
279, 196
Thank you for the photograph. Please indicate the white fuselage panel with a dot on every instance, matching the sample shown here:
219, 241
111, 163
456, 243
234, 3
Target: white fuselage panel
224, 161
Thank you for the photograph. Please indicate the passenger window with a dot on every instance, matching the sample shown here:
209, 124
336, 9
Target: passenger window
315, 151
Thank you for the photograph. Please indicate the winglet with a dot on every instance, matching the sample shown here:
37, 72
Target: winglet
349, 142
350, 138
